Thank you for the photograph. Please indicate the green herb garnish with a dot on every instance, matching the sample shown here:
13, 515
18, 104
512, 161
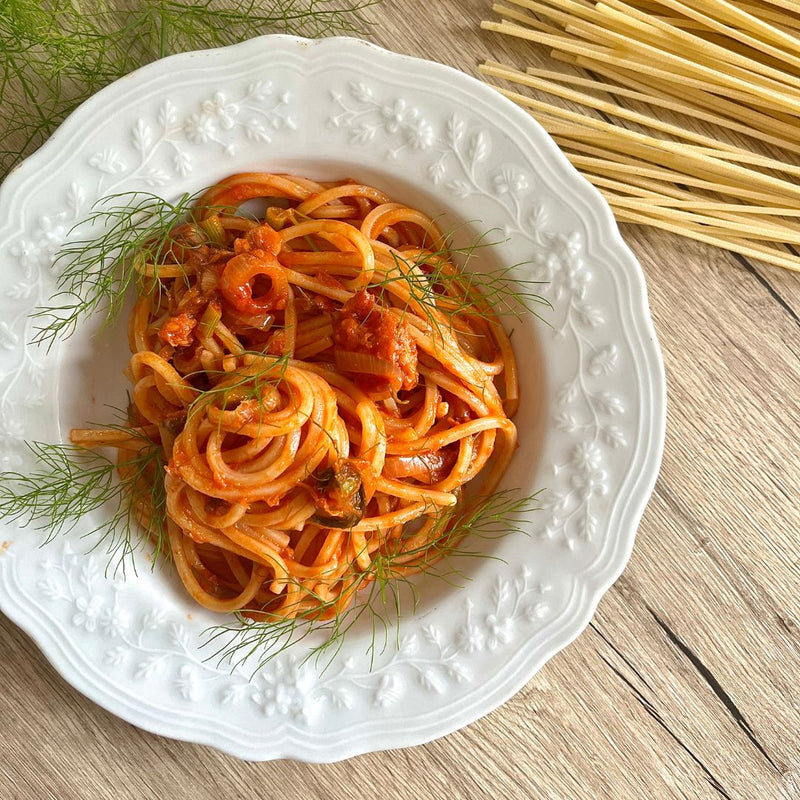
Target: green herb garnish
56, 53
378, 590
434, 287
68, 482
130, 229
248, 383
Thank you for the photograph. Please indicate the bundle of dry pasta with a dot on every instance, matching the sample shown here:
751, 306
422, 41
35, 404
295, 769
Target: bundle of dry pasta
729, 70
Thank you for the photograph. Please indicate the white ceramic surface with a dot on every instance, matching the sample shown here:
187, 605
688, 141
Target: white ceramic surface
455, 148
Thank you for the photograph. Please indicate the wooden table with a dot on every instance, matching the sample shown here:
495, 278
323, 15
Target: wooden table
685, 685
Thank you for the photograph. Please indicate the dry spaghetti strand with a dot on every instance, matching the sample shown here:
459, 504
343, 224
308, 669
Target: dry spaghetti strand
732, 66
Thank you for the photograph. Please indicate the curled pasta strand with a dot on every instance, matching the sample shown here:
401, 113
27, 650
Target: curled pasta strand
323, 386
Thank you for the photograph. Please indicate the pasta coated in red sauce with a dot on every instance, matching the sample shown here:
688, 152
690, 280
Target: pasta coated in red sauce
323, 385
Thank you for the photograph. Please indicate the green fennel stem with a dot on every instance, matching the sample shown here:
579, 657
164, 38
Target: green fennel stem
55, 54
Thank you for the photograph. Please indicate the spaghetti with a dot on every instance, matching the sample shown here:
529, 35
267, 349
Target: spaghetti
322, 382
722, 168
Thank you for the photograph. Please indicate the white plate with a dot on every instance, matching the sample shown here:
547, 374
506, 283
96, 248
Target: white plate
450, 145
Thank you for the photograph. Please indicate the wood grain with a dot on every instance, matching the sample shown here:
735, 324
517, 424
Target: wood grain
686, 683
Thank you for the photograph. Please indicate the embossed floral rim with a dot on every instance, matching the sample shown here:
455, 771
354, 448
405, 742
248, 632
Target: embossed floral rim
279, 103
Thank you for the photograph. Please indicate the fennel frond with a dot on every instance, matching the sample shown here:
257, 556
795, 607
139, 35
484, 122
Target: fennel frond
378, 590
56, 53
69, 482
129, 229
